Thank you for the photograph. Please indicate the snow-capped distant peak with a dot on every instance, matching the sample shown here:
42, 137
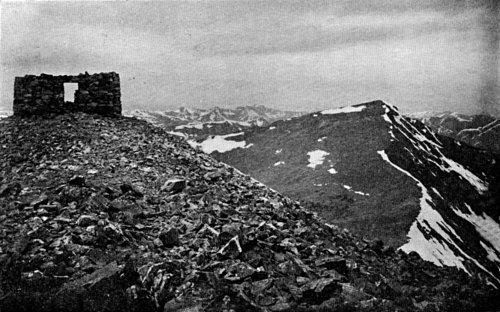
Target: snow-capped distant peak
421, 115
196, 118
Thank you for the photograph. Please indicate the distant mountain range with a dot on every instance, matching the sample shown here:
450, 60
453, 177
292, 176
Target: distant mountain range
195, 118
481, 131
377, 173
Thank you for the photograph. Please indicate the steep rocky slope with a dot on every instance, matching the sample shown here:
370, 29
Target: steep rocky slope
482, 131
370, 170
100, 214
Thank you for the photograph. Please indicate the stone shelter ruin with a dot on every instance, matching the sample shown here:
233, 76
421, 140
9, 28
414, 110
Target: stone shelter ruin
45, 94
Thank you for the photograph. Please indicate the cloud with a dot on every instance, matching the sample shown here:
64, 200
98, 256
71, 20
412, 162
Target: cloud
319, 31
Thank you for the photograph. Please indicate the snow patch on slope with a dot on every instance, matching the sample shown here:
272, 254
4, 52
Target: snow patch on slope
492, 126
461, 117
428, 220
183, 135
219, 143
196, 126
491, 254
349, 188
346, 109
361, 193
316, 157
486, 227
421, 142
474, 180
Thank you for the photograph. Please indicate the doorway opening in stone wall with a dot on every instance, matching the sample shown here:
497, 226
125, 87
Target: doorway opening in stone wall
69, 91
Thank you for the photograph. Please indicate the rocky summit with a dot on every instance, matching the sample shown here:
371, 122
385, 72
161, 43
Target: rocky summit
114, 214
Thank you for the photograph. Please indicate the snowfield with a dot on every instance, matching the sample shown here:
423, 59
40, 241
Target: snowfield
316, 158
421, 142
180, 134
442, 249
429, 219
432, 236
219, 143
347, 109
487, 228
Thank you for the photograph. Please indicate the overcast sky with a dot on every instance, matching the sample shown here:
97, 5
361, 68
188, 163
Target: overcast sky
299, 55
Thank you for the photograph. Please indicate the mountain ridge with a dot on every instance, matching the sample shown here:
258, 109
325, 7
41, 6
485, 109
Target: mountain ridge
374, 171
480, 130
345, 195
196, 117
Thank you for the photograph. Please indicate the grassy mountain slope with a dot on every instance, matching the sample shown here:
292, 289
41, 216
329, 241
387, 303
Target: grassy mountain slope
351, 141
384, 176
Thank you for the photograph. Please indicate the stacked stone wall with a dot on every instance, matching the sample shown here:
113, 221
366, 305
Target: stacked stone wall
44, 94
